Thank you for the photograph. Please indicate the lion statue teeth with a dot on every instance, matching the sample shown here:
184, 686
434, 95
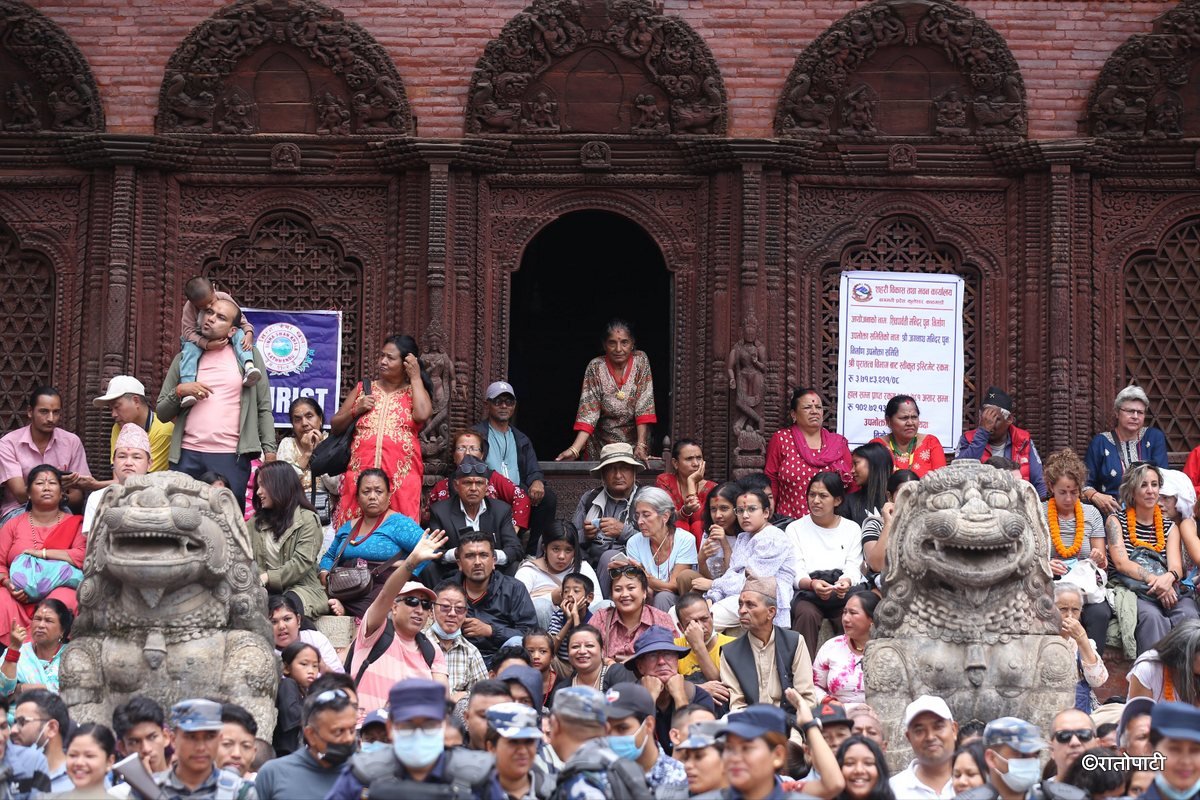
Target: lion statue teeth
968, 614
170, 605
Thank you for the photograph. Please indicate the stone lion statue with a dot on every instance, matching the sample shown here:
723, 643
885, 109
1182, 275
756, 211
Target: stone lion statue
170, 605
968, 612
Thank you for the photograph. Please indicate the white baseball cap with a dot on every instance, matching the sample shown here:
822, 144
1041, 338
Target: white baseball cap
497, 388
930, 703
120, 386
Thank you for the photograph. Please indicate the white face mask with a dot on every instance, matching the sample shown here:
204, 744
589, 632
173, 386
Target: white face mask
1022, 773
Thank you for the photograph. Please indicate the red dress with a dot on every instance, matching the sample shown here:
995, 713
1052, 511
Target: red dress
791, 464
928, 455
386, 438
694, 523
18, 535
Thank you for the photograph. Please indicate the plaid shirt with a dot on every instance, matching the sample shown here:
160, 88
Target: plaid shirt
464, 664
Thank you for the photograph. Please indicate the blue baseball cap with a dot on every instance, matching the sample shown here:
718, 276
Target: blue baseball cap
582, 704
757, 720
1176, 721
417, 697
1022, 736
378, 717
196, 715
514, 721
657, 639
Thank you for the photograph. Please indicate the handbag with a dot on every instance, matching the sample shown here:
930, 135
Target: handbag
1155, 564
38, 577
332, 456
355, 581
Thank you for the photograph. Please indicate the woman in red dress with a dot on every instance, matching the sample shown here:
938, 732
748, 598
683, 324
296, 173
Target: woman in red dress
910, 449
47, 535
797, 453
687, 486
390, 419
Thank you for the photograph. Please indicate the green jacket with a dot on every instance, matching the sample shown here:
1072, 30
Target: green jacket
296, 568
257, 428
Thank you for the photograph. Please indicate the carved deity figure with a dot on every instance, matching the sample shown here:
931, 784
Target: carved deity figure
746, 370
171, 606
440, 366
858, 111
1166, 118
239, 114
650, 119
333, 117
969, 612
71, 108
22, 113
951, 117
542, 114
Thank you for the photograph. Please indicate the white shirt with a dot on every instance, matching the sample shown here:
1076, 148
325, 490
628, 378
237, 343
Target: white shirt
906, 785
820, 548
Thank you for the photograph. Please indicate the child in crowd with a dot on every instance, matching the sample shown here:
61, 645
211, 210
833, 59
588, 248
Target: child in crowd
301, 666
200, 297
540, 646
578, 591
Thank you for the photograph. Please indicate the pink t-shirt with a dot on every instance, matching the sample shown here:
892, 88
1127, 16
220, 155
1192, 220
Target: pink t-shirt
18, 455
213, 425
402, 660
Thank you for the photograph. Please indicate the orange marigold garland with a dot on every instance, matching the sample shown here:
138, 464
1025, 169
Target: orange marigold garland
1160, 542
1056, 534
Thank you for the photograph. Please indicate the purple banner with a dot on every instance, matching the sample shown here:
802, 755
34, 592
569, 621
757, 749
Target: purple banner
303, 354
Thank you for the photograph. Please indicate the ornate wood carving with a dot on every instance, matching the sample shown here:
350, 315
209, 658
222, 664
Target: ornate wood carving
905, 68
1146, 89
591, 66
45, 82
282, 66
27, 324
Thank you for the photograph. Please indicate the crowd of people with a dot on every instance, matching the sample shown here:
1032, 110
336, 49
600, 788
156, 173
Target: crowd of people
688, 637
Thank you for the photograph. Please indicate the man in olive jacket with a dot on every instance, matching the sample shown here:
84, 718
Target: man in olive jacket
230, 424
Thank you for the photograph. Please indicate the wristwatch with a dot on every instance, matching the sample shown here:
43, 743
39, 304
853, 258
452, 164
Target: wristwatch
812, 723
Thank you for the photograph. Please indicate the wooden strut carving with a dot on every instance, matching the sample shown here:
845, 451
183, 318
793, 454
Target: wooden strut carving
55, 90
195, 99
1137, 94
825, 94
507, 95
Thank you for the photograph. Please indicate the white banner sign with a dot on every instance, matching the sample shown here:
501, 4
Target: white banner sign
900, 333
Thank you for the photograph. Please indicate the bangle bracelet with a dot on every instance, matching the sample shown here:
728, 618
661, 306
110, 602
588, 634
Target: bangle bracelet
12, 656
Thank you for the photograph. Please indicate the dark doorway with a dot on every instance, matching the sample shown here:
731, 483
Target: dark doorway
579, 272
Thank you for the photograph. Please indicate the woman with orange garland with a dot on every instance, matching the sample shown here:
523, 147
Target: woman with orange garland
1077, 550
1167, 672
1145, 551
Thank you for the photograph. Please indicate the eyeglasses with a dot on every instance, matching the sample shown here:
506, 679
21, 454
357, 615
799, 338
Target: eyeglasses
413, 602
503, 401
471, 469
1084, 735
742, 511
627, 569
1133, 412
446, 608
468, 448
21, 722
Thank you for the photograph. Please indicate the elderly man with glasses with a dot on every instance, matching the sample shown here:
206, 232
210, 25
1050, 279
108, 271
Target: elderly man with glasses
464, 662
469, 511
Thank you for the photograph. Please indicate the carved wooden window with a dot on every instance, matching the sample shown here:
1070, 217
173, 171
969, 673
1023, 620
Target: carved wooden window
282, 263
902, 244
1161, 347
26, 326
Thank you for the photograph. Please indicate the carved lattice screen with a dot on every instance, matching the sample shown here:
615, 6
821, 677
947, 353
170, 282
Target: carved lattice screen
282, 263
901, 244
1161, 346
26, 326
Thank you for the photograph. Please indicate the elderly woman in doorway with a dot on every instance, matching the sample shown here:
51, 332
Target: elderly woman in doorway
616, 404
798, 452
390, 415
1111, 452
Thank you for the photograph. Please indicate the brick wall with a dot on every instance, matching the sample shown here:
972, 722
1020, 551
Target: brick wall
1059, 44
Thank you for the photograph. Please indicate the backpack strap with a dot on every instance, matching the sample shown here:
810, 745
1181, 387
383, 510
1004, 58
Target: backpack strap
378, 649
426, 648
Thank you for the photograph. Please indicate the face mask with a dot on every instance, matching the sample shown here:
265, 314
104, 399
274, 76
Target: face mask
337, 753
626, 746
371, 747
420, 749
1171, 793
38, 744
1022, 773
441, 634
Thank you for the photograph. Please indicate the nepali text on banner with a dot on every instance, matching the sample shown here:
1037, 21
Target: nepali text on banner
900, 333
303, 354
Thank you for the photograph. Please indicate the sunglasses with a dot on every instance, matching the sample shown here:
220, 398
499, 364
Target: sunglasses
503, 401
1084, 735
413, 602
628, 569
330, 697
471, 469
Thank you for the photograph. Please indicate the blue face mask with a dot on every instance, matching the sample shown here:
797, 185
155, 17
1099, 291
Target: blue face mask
371, 747
441, 634
1022, 773
626, 746
419, 748
1171, 793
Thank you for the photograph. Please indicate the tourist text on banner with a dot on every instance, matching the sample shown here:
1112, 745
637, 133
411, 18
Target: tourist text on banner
302, 351
900, 333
